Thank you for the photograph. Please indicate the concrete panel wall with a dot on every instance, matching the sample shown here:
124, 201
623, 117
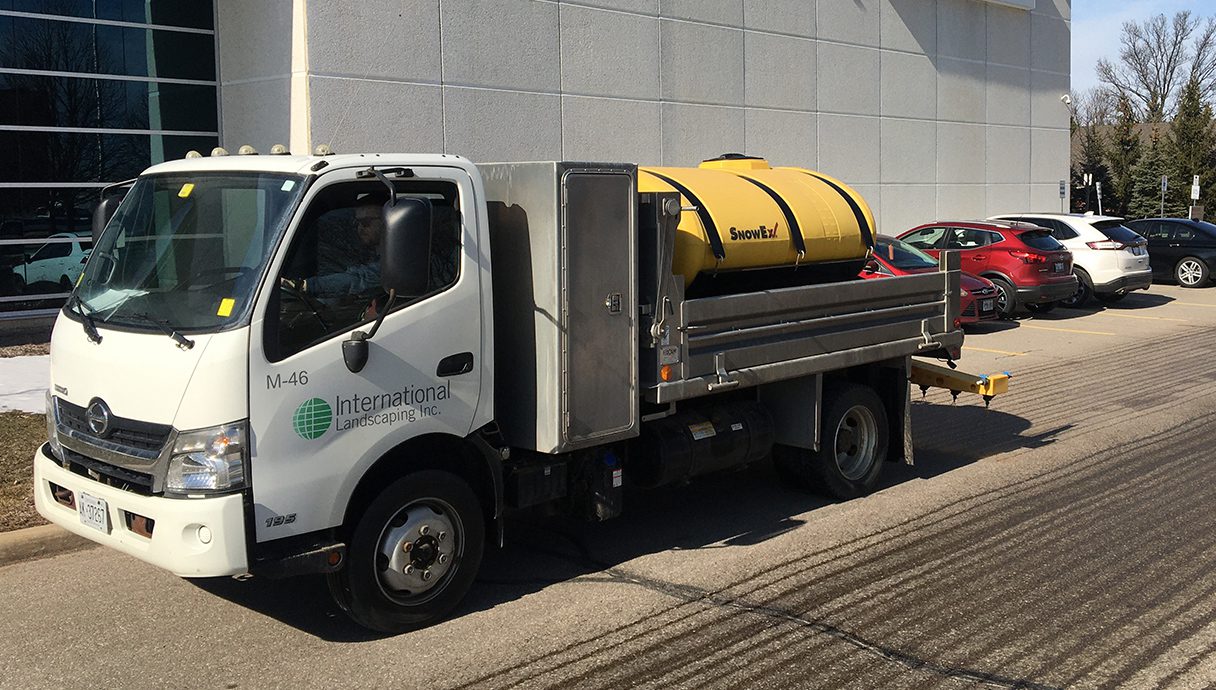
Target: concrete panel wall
931, 108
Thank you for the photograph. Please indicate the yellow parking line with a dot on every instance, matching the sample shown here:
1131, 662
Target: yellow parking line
995, 352
1134, 316
1065, 330
1194, 304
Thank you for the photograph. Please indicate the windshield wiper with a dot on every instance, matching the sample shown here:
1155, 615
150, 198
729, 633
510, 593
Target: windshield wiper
182, 341
86, 319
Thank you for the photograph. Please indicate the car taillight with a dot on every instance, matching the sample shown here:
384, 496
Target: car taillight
1105, 244
1028, 257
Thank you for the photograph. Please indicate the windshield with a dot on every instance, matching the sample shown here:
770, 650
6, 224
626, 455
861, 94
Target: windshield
187, 250
902, 255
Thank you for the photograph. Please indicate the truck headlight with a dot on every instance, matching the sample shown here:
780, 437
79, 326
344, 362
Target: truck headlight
52, 434
208, 460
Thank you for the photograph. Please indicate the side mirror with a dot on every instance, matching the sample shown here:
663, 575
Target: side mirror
102, 214
871, 267
405, 248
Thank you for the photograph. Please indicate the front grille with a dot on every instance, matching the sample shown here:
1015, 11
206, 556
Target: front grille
969, 310
143, 436
984, 292
111, 475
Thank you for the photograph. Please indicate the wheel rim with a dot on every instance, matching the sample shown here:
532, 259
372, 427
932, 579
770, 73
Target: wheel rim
419, 551
856, 442
1190, 272
1002, 299
1079, 296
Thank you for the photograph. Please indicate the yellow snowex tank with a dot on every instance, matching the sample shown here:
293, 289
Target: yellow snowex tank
744, 214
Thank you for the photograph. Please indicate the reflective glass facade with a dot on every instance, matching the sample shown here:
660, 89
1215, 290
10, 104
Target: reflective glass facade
91, 93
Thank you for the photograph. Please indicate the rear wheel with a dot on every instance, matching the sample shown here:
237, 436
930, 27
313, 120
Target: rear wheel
1191, 272
852, 445
1041, 308
1085, 290
1006, 298
413, 554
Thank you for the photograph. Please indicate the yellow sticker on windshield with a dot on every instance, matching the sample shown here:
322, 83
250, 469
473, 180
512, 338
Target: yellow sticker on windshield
226, 305
186, 189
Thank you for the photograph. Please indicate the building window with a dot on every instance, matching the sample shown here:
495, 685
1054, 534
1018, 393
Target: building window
91, 93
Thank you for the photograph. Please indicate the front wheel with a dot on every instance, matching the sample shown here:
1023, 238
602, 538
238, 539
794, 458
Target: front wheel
1191, 272
413, 554
852, 445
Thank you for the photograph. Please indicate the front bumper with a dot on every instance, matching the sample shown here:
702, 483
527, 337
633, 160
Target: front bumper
175, 544
1047, 292
1140, 280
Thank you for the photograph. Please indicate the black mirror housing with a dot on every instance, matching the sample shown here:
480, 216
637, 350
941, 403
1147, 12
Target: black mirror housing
405, 247
102, 214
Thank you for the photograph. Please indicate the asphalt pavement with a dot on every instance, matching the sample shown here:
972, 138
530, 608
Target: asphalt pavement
1066, 537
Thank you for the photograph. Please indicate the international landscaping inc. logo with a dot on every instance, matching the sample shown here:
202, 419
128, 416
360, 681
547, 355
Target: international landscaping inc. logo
312, 418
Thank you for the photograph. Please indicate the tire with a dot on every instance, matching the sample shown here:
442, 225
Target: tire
1006, 298
439, 516
1110, 297
65, 284
853, 446
18, 285
1042, 308
1191, 272
1085, 290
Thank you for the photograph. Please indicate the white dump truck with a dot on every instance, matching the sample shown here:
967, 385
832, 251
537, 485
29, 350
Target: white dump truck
358, 364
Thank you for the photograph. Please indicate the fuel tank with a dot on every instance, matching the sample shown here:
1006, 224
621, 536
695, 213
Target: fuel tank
742, 214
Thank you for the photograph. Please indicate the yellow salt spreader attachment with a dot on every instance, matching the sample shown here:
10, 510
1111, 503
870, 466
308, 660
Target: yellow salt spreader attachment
929, 376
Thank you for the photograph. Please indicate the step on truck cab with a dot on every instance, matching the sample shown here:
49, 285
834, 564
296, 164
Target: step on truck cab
357, 364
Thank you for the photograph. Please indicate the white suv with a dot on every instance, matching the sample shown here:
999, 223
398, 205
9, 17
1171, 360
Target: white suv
1109, 259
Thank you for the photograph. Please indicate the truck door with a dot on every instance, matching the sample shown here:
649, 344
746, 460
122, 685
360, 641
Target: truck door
317, 426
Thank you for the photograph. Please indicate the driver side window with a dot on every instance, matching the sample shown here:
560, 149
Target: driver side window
329, 283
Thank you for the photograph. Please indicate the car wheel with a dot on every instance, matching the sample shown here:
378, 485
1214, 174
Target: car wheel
413, 554
1041, 308
1191, 272
1110, 297
1006, 299
1084, 291
18, 285
852, 448
65, 284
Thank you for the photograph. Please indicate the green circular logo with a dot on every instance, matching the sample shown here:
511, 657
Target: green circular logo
312, 418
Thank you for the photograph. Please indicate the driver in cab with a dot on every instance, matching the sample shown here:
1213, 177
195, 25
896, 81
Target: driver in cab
358, 278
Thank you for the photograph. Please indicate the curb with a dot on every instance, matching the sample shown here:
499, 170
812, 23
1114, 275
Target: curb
38, 542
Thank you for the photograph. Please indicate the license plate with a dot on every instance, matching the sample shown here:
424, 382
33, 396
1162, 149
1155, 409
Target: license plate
1058, 267
94, 513
987, 305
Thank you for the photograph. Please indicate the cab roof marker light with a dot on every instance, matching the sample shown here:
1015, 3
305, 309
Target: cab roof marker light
246, 150
219, 151
193, 154
279, 150
323, 150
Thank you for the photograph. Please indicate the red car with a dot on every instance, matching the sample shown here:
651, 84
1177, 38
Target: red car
1028, 266
895, 258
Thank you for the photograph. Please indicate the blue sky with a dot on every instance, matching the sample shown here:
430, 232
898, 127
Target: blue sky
1096, 25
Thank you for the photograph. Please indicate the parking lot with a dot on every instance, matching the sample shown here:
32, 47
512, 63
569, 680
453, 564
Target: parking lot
1063, 538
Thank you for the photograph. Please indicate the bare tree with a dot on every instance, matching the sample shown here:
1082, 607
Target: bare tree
1094, 106
1203, 58
1153, 57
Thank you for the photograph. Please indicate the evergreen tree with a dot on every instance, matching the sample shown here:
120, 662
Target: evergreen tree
1146, 183
1091, 160
1191, 147
1124, 153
